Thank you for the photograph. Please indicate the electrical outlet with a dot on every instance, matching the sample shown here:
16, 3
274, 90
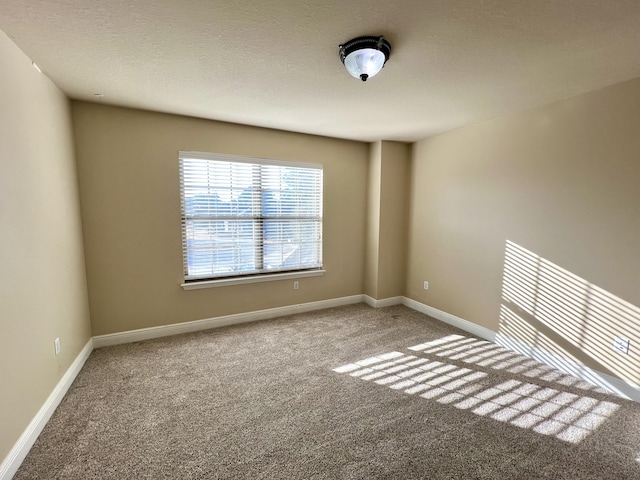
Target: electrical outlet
56, 346
621, 344
426, 285
296, 285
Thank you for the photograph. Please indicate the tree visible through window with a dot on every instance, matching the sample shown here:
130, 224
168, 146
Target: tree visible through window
246, 216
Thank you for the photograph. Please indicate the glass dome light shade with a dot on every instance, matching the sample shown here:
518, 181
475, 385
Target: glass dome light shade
366, 61
364, 57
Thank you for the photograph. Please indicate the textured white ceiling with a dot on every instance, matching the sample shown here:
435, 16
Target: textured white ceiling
274, 63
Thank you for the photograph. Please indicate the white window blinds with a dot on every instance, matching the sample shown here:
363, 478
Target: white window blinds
248, 216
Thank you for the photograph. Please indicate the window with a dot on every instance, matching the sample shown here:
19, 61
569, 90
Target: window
247, 217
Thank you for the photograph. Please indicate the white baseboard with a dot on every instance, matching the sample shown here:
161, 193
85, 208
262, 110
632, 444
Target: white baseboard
226, 320
17, 454
445, 317
384, 302
606, 381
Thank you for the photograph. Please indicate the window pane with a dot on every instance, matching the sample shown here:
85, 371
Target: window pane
291, 191
292, 243
220, 247
218, 189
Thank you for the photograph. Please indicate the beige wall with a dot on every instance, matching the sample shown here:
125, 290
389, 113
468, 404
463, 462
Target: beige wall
42, 281
372, 252
394, 203
387, 216
129, 185
561, 184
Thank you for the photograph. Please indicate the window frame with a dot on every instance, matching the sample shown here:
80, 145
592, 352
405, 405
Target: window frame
206, 281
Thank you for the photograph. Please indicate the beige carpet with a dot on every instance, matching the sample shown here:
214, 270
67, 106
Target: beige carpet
350, 392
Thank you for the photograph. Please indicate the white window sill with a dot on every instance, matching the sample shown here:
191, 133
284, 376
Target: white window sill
267, 277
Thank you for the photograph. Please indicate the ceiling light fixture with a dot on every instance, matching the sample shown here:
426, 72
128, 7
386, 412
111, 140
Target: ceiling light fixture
364, 57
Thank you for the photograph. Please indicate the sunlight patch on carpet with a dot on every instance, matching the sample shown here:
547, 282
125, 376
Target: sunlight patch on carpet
548, 411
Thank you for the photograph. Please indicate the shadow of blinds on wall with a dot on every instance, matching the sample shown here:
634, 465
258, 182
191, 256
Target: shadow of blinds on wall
549, 307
